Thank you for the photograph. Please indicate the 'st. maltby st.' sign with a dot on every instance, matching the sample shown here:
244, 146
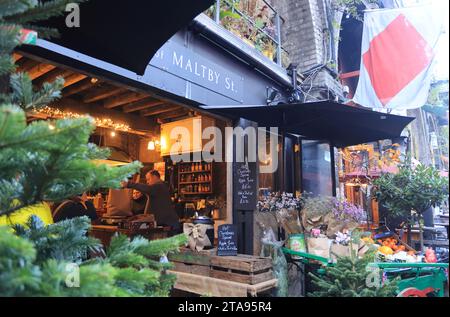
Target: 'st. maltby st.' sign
183, 62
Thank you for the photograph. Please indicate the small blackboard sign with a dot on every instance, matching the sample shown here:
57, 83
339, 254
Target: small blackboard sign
244, 189
227, 240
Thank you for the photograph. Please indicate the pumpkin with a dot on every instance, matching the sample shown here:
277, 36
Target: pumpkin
385, 250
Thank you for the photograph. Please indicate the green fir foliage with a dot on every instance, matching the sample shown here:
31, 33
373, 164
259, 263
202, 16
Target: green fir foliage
349, 277
51, 160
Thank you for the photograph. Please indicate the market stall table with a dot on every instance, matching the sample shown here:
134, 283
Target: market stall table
205, 285
205, 273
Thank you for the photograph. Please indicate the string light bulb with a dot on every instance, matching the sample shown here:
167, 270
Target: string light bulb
113, 133
151, 145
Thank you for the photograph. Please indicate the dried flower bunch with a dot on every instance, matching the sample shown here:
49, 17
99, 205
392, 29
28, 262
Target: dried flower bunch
316, 206
278, 201
285, 208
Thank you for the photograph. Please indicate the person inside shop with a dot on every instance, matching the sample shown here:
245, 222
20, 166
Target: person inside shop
160, 202
138, 203
73, 207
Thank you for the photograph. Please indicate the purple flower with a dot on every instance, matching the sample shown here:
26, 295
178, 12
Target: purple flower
345, 211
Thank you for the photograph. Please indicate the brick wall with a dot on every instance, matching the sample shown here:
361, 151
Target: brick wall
306, 35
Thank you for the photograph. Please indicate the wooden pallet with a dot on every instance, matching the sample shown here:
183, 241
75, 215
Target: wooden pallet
242, 268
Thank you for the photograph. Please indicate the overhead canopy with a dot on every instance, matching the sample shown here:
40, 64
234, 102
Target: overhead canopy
126, 33
340, 124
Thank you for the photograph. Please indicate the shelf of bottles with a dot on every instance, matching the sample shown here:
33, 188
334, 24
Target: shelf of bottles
195, 178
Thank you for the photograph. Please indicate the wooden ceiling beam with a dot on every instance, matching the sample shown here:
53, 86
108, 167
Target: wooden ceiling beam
51, 76
16, 57
102, 93
142, 104
173, 114
39, 70
158, 110
25, 64
116, 101
78, 87
73, 79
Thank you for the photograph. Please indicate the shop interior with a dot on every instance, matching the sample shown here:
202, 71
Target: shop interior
136, 125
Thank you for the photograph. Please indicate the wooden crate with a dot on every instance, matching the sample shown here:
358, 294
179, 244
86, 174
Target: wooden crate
242, 268
203, 270
192, 262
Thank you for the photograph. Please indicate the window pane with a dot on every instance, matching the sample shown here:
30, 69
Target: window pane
316, 161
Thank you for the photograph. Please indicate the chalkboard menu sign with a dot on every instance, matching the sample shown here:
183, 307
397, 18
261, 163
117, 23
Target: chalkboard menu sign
244, 189
227, 240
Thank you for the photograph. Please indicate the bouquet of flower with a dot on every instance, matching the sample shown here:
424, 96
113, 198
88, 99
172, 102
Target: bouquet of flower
344, 216
346, 212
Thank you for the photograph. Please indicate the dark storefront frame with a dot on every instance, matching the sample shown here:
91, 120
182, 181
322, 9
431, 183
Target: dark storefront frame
174, 85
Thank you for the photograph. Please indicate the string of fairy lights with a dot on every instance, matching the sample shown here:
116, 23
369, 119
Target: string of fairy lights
99, 122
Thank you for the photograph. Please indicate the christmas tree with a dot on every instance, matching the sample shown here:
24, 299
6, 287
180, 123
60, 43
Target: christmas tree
51, 161
350, 277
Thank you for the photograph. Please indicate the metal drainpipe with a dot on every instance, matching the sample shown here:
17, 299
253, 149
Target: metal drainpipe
217, 16
278, 22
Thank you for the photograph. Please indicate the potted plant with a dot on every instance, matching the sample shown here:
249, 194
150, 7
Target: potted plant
269, 49
411, 191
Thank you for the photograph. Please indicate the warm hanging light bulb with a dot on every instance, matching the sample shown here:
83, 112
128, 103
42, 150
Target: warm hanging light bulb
51, 126
113, 133
163, 142
151, 145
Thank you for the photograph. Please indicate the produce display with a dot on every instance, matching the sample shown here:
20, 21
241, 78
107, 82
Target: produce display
391, 249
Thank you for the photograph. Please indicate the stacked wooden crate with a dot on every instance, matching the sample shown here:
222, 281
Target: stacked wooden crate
242, 268
192, 262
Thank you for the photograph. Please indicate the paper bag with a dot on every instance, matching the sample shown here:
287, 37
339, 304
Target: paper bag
319, 246
119, 202
311, 223
339, 250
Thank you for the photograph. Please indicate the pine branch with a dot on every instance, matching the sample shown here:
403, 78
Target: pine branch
42, 11
161, 247
12, 7
64, 241
136, 282
22, 93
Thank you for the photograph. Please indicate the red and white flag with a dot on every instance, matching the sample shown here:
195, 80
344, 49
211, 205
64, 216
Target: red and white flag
398, 49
